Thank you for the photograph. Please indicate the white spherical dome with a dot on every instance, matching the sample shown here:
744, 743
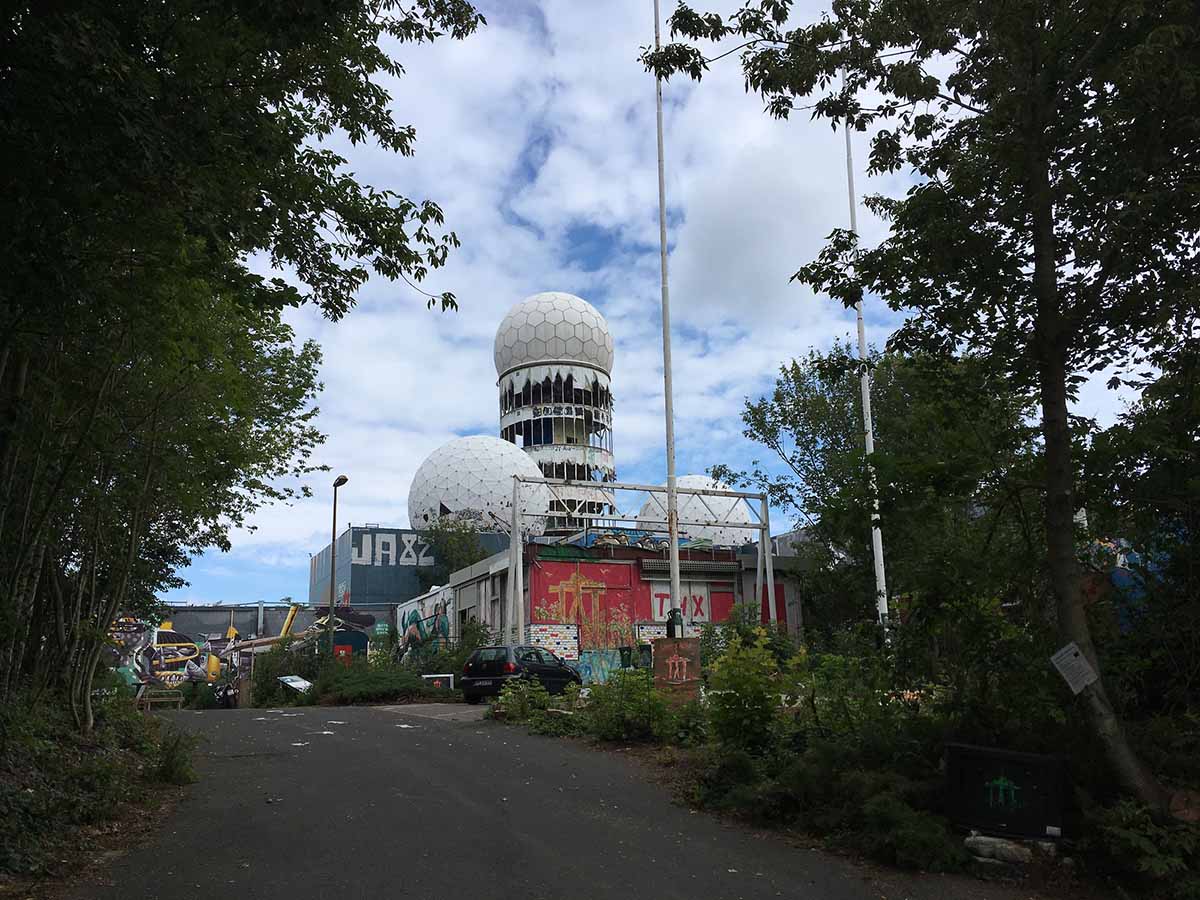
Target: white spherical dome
694, 509
553, 326
471, 477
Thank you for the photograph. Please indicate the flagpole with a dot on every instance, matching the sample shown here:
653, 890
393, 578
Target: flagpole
672, 496
881, 597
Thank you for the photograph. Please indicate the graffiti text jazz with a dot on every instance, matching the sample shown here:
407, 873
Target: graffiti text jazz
382, 549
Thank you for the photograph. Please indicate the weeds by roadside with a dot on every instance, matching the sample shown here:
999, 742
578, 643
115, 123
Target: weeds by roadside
54, 782
834, 743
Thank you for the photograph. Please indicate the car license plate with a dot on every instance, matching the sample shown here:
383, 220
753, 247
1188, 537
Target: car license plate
487, 683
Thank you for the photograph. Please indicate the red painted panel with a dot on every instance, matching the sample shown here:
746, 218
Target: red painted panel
595, 596
780, 605
722, 604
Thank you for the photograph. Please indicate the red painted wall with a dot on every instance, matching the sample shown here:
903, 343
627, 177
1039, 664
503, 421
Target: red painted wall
780, 605
607, 599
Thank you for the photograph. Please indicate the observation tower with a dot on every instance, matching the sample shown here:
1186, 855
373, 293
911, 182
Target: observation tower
554, 356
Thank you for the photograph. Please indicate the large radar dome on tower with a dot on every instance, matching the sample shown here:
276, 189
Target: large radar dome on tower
472, 478
553, 327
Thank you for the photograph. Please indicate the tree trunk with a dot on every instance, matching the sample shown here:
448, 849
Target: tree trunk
1051, 342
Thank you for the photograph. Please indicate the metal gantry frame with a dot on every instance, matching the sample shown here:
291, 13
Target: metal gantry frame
607, 490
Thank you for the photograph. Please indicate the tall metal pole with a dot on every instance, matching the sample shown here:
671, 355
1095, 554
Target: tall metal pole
881, 597
672, 497
332, 567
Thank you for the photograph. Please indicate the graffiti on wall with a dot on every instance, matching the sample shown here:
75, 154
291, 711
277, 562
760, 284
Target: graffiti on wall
604, 615
596, 665
382, 549
425, 623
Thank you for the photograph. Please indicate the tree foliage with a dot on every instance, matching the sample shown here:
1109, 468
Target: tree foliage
152, 395
1053, 217
955, 471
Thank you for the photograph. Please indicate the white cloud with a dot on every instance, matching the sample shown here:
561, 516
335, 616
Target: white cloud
535, 131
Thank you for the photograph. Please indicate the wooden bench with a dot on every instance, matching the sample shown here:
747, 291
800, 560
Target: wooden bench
149, 699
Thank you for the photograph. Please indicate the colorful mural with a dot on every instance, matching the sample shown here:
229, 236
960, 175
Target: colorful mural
425, 623
595, 666
144, 654
600, 602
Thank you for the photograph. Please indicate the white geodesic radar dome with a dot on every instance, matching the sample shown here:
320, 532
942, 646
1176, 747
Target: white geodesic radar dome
693, 508
553, 326
472, 478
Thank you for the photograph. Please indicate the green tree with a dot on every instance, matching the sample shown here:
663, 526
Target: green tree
955, 466
1142, 492
1052, 219
151, 396
454, 544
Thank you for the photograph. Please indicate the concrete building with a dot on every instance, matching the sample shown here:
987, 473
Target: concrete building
378, 568
586, 603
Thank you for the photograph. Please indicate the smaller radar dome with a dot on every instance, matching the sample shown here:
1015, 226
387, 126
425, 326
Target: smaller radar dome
553, 327
472, 478
693, 508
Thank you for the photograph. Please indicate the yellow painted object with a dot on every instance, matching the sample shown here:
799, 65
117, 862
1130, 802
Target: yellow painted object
289, 621
212, 667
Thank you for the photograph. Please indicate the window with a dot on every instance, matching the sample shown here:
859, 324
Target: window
558, 389
537, 394
547, 431
491, 654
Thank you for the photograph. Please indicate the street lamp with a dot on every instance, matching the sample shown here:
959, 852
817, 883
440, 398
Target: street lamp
338, 482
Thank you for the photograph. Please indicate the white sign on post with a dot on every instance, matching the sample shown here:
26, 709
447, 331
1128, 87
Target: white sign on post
1073, 666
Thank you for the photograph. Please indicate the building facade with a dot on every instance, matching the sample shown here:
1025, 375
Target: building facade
378, 567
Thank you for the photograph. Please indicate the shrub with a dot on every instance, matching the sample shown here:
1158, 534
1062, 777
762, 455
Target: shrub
627, 708
198, 695
894, 832
1163, 856
361, 682
555, 722
520, 698
727, 779
266, 689
744, 696
174, 764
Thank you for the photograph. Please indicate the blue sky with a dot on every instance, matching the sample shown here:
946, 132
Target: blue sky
536, 136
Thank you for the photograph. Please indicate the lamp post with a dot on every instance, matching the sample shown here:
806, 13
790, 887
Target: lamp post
337, 483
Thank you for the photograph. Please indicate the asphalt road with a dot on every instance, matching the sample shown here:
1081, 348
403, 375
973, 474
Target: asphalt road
431, 802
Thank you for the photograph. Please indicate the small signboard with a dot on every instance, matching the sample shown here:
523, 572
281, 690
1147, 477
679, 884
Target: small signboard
296, 683
441, 682
1073, 666
677, 668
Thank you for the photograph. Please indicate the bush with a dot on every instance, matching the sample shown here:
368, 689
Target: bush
175, 759
627, 708
361, 682
266, 688
53, 781
1156, 856
894, 832
520, 698
744, 695
198, 695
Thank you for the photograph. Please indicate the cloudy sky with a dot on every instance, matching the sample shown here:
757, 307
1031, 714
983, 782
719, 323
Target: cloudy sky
537, 138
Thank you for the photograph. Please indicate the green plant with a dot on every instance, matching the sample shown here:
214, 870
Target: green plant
266, 689
894, 832
627, 708
1163, 855
363, 682
520, 698
744, 694
174, 764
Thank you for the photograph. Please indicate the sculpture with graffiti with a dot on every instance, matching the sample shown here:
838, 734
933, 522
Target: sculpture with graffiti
142, 653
